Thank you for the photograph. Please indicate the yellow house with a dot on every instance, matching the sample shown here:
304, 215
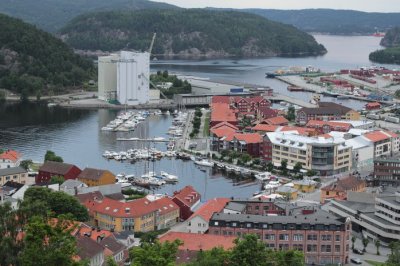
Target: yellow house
305, 186
14, 174
352, 115
96, 177
288, 192
338, 190
141, 215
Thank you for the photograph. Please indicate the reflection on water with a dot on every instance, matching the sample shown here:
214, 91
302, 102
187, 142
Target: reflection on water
75, 135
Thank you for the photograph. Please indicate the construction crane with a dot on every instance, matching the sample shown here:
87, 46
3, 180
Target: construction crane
152, 43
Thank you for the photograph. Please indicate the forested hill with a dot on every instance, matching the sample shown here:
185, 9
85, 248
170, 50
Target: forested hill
392, 38
330, 21
33, 61
51, 15
189, 32
390, 55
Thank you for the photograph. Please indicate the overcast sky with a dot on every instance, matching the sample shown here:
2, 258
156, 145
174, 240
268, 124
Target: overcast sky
364, 5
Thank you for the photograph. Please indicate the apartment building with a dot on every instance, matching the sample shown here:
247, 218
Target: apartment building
327, 156
385, 143
322, 237
326, 111
378, 220
14, 174
387, 170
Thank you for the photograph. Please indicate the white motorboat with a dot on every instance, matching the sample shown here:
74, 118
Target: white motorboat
158, 139
204, 162
263, 176
168, 177
107, 128
272, 184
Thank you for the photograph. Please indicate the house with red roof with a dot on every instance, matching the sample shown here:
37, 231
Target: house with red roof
222, 112
187, 199
266, 113
141, 215
386, 143
373, 106
198, 222
50, 169
277, 121
264, 128
194, 243
324, 127
10, 158
247, 143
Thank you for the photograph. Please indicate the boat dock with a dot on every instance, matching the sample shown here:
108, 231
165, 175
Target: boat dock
143, 140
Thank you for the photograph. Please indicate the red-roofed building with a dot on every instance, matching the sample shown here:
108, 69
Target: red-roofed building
373, 106
247, 143
187, 199
50, 169
266, 113
222, 112
264, 128
385, 143
328, 126
141, 215
193, 243
305, 131
277, 121
198, 222
10, 158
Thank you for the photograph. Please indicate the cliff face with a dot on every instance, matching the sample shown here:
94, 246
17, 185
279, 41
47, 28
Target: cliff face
189, 33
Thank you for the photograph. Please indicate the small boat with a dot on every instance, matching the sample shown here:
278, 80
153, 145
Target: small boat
272, 184
168, 177
107, 129
263, 176
204, 162
158, 139
220, 165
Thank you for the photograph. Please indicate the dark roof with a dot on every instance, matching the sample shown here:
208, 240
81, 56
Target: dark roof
87, 247
96, 195
326, 108
112, 244
318, 217
92, 173
13, 184
344, 184
56, 167
116, 196
12, 171
123, 235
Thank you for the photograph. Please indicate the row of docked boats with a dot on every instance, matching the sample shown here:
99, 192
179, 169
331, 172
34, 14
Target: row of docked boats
126, 121
235, 169
150, 179
138, 154
178, 124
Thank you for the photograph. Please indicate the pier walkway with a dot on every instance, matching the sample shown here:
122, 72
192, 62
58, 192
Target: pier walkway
280, 97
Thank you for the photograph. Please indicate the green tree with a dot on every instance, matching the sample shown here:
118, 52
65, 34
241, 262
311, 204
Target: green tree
311, 173
287, 258
291, 114
297, 167
397, 94
365, 242
394, 256
249, 251
155, 254
10, 246
26, 164
283, 167
51, 156
353, 240
110, 261
57, 179
245, 157
270, 166
56, 202
377, 245
214, 257
165, 74
48, 244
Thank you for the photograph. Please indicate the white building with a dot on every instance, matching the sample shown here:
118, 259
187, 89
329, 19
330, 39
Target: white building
133, 75
107, 77
125, 77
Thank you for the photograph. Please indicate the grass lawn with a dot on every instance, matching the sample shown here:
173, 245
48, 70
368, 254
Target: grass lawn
206, 129
374, 263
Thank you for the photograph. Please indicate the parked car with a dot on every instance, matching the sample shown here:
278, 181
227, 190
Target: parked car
356, 260
358, 251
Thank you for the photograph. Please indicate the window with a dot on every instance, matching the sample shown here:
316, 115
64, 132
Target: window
298, 247
337, 248
297, 237
283, 246
337, 237
269, 237
311, 248
284, 237
326, 237
215, 223
326, 248
312, 237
